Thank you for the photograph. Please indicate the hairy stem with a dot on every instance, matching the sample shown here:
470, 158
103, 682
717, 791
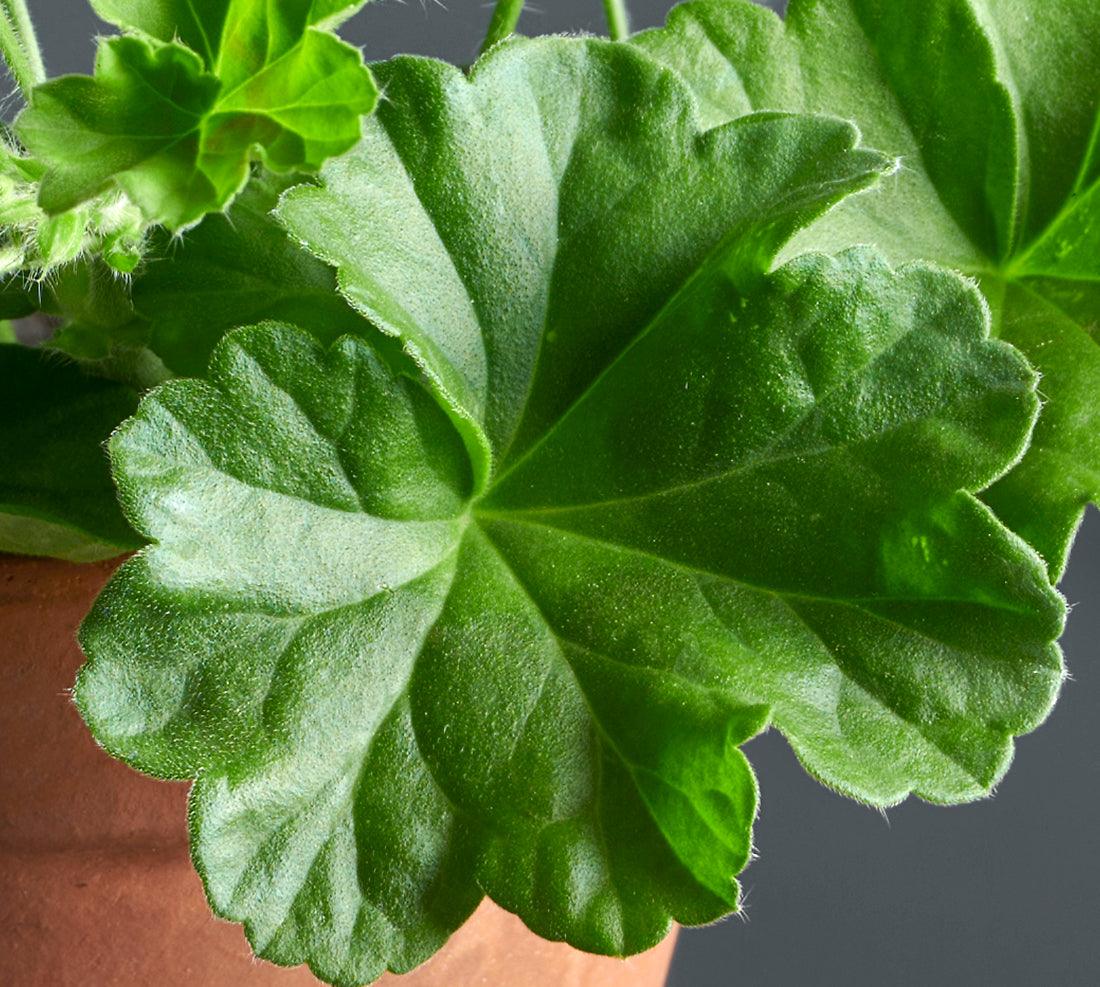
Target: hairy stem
618, 20
505, 16
19, 45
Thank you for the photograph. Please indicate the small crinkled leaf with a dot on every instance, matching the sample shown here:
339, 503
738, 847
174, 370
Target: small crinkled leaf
994, 108
509, 641
56, 494
173, 112
137, 121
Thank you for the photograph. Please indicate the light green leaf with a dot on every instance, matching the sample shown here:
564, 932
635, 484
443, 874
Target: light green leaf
252, 32
56, 495
35, 245
511, 643
173, 113
994, 109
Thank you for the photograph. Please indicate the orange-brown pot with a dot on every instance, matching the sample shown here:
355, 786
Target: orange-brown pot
97, 887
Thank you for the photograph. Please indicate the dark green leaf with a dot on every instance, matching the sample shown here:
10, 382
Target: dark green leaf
517, 230
56, 495
235, 270
994, 109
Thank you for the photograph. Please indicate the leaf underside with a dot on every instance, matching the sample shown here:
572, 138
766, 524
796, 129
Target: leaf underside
496, 619
994, 109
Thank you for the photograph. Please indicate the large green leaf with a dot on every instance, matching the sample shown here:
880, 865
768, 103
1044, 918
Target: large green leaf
56, 495
175, 109
416, 651
517, 229
994, 109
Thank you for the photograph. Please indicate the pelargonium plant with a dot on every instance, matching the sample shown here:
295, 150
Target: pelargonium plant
500, 455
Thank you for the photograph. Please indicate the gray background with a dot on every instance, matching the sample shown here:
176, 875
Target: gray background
1005, 891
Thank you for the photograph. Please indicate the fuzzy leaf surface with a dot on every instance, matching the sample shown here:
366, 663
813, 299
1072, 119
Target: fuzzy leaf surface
516, 229
499, 623
994, 109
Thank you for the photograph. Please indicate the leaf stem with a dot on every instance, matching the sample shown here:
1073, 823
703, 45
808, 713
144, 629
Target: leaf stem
19, 46
503, 23
618, 20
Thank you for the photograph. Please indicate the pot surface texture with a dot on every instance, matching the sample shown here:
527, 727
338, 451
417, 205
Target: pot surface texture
97, 886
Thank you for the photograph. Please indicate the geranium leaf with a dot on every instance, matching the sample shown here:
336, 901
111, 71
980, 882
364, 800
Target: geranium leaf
174, 110
455, 172
235, 270
56, 495
994, 109
37, 245
510, 642
245, 30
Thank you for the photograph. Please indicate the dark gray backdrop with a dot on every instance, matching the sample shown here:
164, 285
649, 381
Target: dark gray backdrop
1003, 892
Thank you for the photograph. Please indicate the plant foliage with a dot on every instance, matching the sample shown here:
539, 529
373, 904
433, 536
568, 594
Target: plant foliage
56, 494
178, 103
399, 616
508, 459
994, 109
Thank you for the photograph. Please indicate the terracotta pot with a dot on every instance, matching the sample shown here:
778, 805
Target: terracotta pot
98, 890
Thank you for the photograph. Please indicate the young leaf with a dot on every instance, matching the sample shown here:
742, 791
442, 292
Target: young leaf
95, 321
56, 495
36, 245
994, 109
404, 679
250, 30
174, 111
231, 270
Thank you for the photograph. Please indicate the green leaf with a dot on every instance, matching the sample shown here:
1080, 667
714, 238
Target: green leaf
251, 31
235, 270
509, 643
994, 109
454, 175
173, 112
96, 323
56, 495
231, 270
